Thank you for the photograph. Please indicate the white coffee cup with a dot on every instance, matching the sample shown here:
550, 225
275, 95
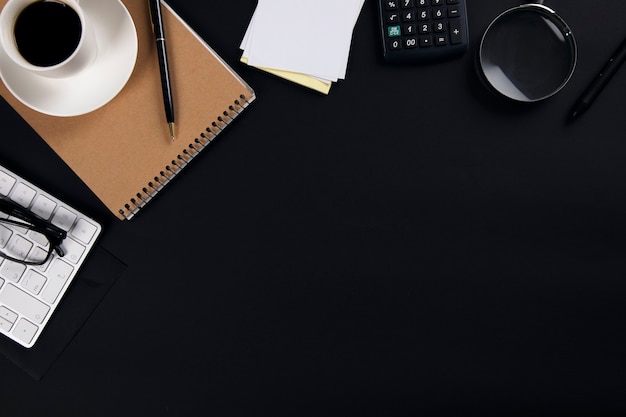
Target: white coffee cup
81, 56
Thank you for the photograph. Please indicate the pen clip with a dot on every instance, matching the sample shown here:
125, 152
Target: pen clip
155, 17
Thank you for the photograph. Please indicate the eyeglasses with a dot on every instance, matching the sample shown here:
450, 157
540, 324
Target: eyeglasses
27, 238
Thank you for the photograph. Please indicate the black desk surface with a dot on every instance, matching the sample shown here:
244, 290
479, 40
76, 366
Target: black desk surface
408, 245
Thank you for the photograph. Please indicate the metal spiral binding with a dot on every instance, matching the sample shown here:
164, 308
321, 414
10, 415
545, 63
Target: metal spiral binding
183, 158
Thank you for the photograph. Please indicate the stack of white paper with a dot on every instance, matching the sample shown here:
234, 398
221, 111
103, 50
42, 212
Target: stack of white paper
305, 41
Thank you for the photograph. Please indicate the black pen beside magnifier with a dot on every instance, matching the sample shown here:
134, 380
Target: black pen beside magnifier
598, 83
527, 53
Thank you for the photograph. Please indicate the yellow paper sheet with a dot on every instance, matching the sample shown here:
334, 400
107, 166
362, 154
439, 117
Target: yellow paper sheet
298, 78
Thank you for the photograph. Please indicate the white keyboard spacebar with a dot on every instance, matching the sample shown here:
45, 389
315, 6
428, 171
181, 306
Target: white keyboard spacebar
23, 303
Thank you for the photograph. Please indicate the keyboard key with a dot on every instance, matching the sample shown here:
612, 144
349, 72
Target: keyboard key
25, 331
73, 250
63, 218
84, 231
58, 274
38, 237
33, 282
5, 235
23, 194
12, 270
43, 207
18, 247
7, 314
23, 303
5, 324
6, 183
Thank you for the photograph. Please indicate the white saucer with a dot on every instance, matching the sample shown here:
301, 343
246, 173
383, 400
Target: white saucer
91, 88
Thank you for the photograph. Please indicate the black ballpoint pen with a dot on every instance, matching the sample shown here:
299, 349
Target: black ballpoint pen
599, 82
166, 85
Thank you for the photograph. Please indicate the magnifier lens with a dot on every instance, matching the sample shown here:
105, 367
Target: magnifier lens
528, 53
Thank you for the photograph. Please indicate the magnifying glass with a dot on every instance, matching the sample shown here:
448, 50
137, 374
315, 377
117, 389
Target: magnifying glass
527, 53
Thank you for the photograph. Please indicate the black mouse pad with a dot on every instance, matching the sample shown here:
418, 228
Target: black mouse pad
99, 272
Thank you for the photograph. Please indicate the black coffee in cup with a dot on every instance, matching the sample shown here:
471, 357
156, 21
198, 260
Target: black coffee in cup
47, 32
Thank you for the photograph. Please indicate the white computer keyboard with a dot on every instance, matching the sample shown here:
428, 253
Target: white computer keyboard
30, 294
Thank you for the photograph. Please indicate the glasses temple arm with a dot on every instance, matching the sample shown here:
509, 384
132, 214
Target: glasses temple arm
15, 210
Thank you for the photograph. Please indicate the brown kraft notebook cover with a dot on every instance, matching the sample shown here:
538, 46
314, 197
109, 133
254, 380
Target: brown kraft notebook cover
122, 150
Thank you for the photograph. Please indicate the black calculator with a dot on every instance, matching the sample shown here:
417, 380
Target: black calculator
416, 31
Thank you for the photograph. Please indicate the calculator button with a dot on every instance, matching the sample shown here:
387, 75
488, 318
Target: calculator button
422, 3
426, 41
393, 18
409, 30
425, 28
454, 11
407, 4
393, 31
395, 44
408, 16
441, 40
439, 13
456, 34
410, 43
391, 4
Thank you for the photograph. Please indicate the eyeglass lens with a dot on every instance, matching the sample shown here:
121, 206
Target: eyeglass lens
23, 244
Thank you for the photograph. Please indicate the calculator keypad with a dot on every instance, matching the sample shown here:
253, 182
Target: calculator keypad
431, 28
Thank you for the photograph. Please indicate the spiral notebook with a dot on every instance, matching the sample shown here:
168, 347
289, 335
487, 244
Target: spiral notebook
122, 151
